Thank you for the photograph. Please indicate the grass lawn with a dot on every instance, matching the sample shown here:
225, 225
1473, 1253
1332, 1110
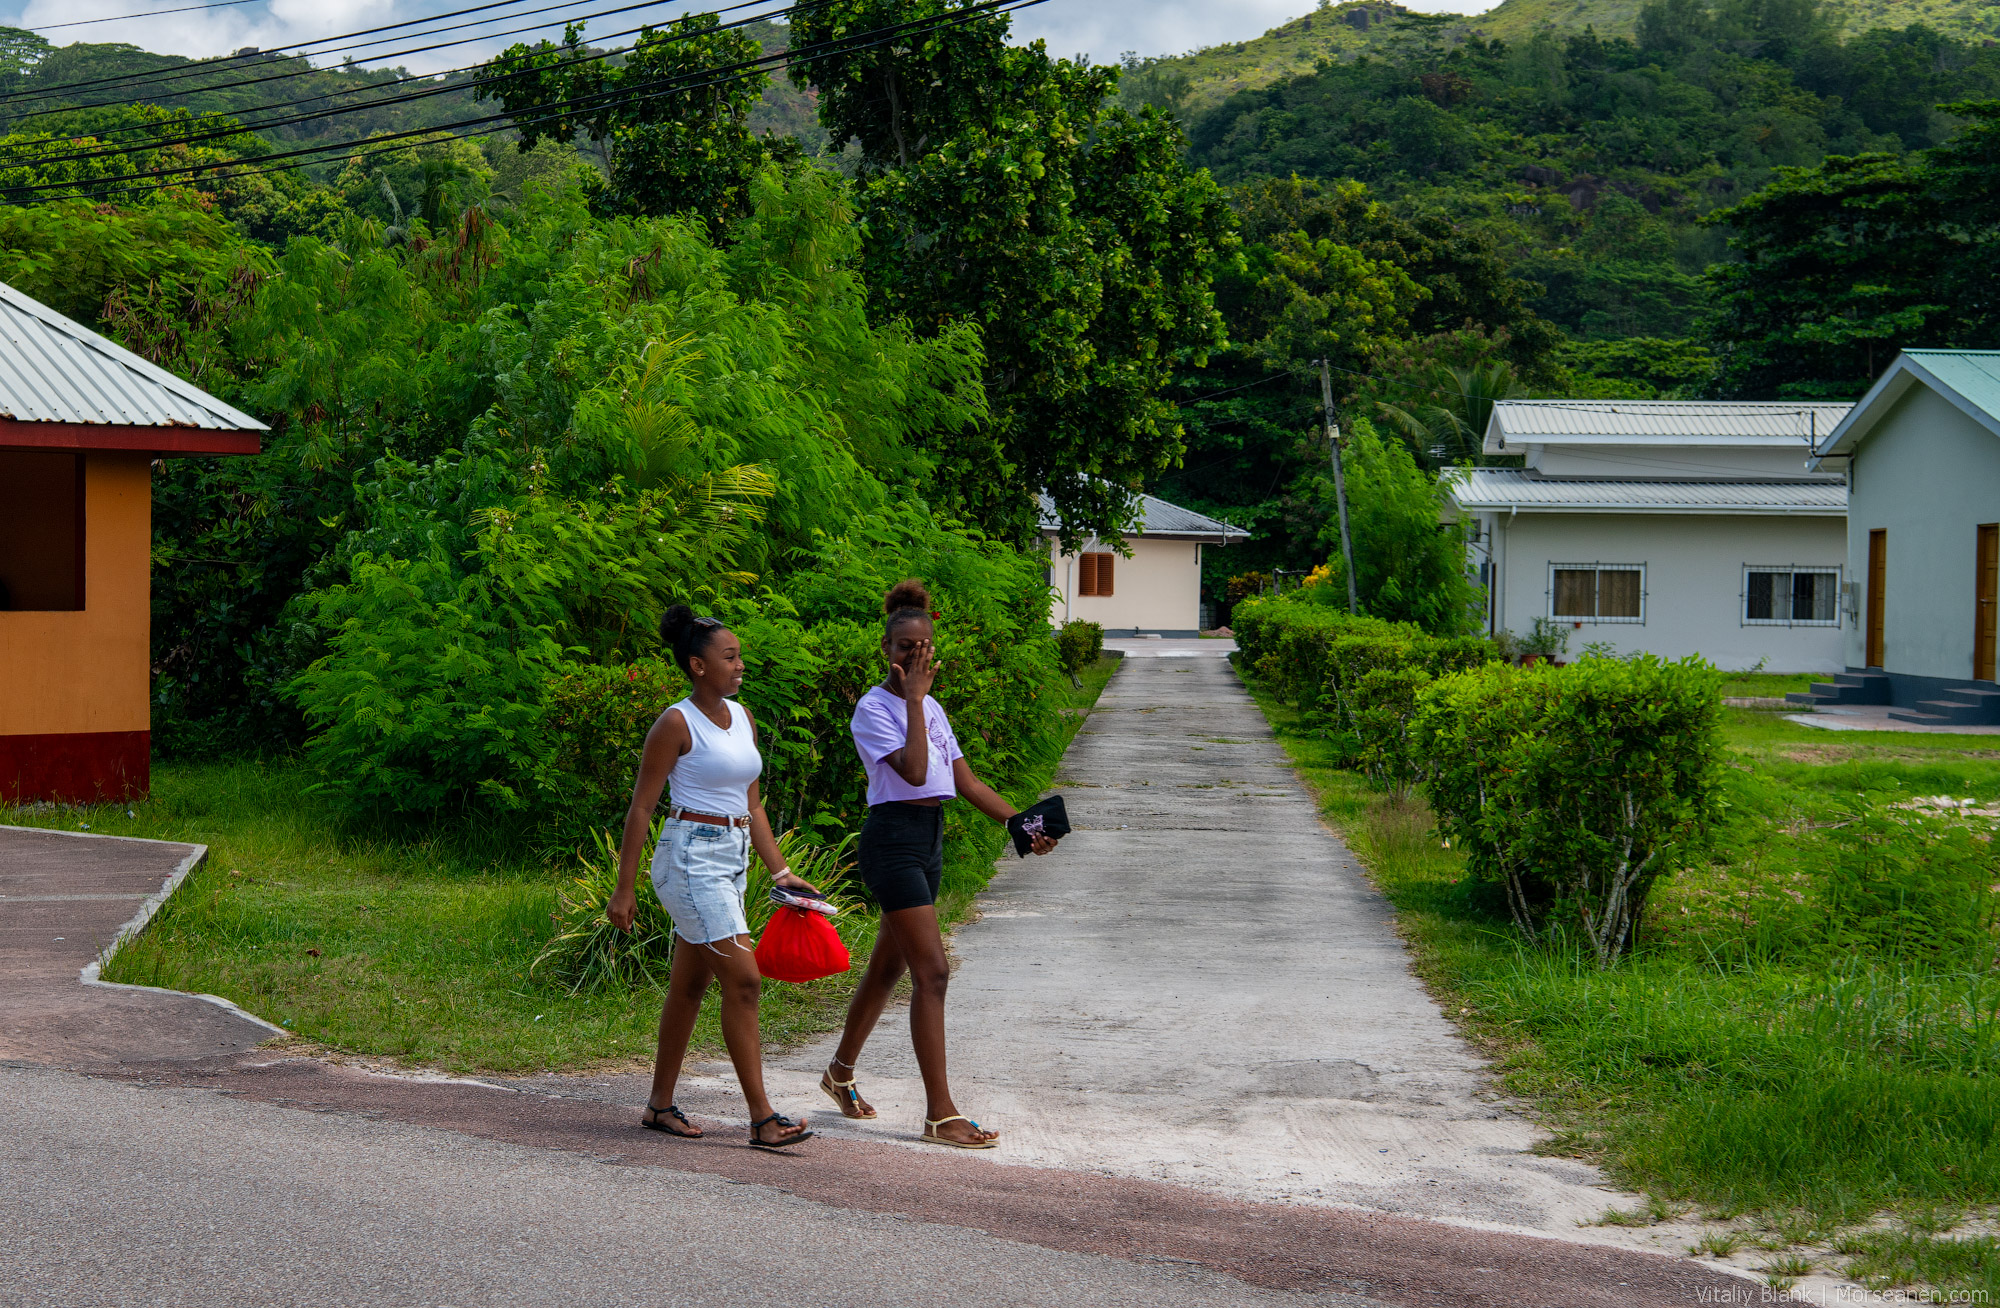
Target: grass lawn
413, 946
1746, 684
1793, 1050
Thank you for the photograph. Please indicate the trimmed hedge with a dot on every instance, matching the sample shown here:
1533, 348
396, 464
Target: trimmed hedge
1574, 788
1356, 677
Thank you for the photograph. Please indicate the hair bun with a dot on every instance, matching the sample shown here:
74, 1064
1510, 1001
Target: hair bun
907, 594
677, 619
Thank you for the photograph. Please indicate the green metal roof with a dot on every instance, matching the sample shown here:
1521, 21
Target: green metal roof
1969, 379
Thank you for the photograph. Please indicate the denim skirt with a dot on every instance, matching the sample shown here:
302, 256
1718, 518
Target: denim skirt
700, 871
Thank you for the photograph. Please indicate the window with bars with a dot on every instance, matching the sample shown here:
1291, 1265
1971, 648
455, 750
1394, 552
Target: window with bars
1095, 573
1597, 592
1787, 595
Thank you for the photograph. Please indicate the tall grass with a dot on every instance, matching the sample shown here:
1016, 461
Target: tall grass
1741, 1060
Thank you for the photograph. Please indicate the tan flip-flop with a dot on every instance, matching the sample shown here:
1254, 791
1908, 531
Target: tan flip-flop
930, 1135
844, 1094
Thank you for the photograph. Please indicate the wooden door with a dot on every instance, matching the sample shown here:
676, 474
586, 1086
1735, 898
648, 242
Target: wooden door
1988, 600
1878, 574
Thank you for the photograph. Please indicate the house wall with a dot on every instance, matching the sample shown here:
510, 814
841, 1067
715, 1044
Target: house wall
1694, 581
1158, 589
1694, 462
74, 686
1928, 475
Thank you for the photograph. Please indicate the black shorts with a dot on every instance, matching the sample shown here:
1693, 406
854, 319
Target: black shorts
902, 854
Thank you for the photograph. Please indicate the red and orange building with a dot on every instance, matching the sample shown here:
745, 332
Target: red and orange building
82, 422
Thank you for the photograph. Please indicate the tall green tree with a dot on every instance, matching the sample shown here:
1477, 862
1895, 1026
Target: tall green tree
671, 119
1844, 264
1003, 188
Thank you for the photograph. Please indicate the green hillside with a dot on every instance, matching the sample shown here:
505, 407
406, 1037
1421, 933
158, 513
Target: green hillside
1204, 78
1515, 20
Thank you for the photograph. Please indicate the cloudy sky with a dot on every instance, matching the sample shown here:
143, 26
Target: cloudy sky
1100, 28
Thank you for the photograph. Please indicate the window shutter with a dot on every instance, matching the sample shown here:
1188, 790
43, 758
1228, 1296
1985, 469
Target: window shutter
1105, 563
1086, 574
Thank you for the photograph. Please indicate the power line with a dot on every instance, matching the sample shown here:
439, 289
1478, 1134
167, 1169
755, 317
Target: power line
667, 87
155, 13
160, 75
163, 133
427, 93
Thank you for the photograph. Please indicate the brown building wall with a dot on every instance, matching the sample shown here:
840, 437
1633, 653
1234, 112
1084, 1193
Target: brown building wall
75, 686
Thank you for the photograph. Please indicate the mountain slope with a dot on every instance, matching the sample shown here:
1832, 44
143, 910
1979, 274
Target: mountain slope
1204, 78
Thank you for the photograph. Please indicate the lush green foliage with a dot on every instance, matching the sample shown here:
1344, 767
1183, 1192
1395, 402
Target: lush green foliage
1002, 189
1575, 788
669, 151
1591, 160
705, 442
1844, 264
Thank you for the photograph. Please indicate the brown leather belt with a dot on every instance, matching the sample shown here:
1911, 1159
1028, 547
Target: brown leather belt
710, 819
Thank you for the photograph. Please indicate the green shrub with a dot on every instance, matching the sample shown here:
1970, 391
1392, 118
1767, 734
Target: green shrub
587, 954
1575, 788
1323, 661
1078, 645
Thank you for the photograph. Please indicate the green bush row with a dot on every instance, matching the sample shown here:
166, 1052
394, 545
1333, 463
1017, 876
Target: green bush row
1355, 677
1574, 788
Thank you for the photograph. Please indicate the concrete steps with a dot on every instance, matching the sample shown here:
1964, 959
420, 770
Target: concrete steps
1958, 708
1845, 688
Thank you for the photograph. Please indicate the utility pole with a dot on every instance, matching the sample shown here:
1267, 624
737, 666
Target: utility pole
1339, 483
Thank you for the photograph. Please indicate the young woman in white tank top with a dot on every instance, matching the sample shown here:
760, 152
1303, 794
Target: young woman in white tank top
703, 750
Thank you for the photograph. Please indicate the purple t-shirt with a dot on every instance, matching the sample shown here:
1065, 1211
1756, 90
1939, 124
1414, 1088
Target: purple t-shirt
881, 727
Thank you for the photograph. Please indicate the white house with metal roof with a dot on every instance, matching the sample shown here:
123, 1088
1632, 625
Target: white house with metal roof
1921, 453
1672, 527
1154, 588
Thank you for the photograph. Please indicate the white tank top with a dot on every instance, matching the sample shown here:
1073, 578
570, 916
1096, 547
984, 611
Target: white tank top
714, 776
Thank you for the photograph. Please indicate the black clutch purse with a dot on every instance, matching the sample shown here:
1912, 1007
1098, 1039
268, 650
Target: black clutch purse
1046, 817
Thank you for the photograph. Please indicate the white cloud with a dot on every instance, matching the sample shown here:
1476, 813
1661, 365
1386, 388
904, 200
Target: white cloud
1102, 29
1105, 29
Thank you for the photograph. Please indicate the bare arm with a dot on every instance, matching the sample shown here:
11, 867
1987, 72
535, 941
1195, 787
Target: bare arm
665, 743
990, 802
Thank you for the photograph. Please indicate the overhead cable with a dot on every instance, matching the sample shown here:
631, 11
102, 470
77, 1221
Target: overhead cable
644, 92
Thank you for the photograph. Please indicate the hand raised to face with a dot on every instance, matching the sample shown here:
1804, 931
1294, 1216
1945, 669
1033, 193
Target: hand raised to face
914, 679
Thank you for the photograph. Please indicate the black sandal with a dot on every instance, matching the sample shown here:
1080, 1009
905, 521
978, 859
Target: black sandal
659, 1124
760, 1142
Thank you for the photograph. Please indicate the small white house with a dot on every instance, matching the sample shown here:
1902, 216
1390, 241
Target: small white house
1672, 527
1155, 590
1921, 452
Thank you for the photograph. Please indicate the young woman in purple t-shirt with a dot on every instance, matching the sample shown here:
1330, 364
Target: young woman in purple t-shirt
914, 764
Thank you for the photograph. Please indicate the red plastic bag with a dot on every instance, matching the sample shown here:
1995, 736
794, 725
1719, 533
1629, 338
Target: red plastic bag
800, 945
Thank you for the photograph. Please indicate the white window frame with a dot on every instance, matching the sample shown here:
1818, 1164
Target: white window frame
1549, 596
1743, 595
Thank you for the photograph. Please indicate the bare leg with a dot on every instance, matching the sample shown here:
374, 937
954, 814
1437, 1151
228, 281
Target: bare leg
878, 986
922, 947
735, 967
686, 985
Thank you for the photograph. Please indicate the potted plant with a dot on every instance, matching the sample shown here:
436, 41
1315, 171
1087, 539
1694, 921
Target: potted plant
1545, 640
